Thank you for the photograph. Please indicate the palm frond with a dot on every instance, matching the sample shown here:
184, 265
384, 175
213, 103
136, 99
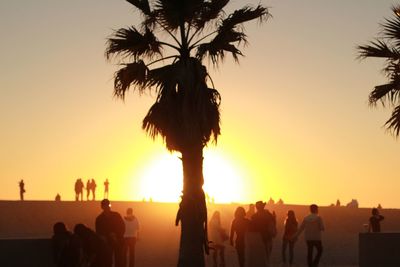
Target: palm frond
245, 14
174, 13
131, 42
380, 92
222, 42
142, 5
378, 48
393, 124
210, 10
132, 74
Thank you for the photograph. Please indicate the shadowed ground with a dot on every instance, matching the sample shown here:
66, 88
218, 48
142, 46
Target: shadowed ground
158, 244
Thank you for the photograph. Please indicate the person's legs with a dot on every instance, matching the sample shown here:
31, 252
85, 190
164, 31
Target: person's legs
291, 252
131, 249
284, 245
318, 245
310, 247
240, 251
222, 256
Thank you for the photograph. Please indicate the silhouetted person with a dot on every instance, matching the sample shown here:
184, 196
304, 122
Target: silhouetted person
131, 236
66, 247
111, 228
88, 189
264, 223
312, 226
291, 226
57, 198
106, 185
93, 188
94, 248
217, 237
338, 203
250, 212
21, 189
79, 189
239, 227
375, 221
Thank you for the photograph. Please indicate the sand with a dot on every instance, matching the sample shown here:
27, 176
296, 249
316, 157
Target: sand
159, 238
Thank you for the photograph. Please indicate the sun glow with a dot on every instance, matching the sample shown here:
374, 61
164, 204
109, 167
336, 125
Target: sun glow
161, 179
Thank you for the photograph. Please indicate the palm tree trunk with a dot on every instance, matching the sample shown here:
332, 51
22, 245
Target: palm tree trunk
193, 211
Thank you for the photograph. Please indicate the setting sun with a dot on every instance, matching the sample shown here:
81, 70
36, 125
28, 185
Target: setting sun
161, 179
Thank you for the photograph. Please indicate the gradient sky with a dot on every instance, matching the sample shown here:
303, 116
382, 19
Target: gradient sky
295, 117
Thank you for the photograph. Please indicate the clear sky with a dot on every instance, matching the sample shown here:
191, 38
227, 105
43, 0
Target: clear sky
296, 123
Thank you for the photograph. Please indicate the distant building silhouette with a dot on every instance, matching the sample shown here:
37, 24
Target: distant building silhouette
280, 202
21, 189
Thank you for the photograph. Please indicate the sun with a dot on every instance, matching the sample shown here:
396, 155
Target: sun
161, 179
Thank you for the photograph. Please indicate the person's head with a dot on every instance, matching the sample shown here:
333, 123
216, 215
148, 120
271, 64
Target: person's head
375, 211
314, 209
105, 205
80, 230
240, 213
260, 205
59, 228
291, 215
129, 212
216, 216
251, 207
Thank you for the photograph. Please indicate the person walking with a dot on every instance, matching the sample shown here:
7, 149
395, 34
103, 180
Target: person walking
265, 223
240, 225
375, 221
88, 189
312, 226
106, 185
111, 228
93, 188
21, 189
130, 237
217, 237
291, 227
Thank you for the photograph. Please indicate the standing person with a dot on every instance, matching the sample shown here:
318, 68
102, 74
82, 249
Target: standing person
111, 228
312, 226
217, 237
240, 225
131, 236
93, 188
375, 221
66, 247
251, 211
79, 189
106, 184
264, 223
88, 189
21, 189
291, 226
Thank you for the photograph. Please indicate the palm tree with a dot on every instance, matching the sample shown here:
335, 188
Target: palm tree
388, 48
186, 111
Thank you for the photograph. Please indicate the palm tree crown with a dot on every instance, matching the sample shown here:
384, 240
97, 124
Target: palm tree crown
186, 111
387, 47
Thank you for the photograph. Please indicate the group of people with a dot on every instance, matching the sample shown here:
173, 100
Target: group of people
90, 188
112, 243
252, 235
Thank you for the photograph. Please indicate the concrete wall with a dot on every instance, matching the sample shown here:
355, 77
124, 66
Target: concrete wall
379, 249
25, 253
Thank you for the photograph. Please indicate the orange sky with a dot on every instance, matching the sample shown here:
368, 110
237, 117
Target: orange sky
295, 118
